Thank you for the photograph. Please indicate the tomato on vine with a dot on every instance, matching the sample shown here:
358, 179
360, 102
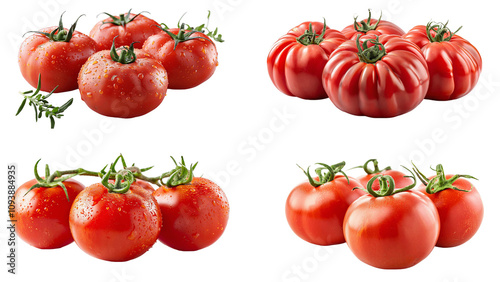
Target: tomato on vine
458, 203
57, 54
195, 210
315, 209
391, 228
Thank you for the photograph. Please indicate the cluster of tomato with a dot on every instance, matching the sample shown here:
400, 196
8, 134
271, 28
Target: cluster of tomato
385, 222
120, 218
372, 68
115, 79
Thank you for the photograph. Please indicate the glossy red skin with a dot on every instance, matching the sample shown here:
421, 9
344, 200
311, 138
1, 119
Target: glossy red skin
392, 232
399, 179
384, 27
57, 62
454, 66
316, 214
115, 227
392, 86
122, 90
460, 213
190, 64
137, 31
296, 69
194, 215
42, 214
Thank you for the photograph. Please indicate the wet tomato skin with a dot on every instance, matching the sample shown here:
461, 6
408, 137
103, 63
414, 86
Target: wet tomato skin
122, 90
57, 62
115, 227
42, 215
194, 215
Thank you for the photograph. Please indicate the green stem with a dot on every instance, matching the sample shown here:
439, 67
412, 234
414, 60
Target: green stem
310, 37
439, 182
370, 55
387, 185
323, 178
442, 32
363, 26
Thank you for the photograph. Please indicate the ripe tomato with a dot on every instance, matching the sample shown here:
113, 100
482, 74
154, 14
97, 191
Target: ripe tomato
115, 226
189, 57
315, 210
391, 229
42, 214
454, 63
297, 59
123, 83
459, 206
57, 54
371, 26
400, 178
194, 214
387, 79
128, 27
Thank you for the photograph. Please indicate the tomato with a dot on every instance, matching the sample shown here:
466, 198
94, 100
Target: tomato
42, 214
297, 59
315, 209
190, 57
371, 26
388, 79
115, 223
57, 54
459, 206
391, 229
194, 214
123, 83
454, 63
128, 27
400, 178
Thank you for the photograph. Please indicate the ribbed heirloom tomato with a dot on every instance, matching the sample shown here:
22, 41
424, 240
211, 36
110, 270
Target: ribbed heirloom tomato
458, 203
115, 221
389, 228
315, 209
122, 82
454, 63
195, 210
127, 28
42, 213
388, 79
296, 61
57, 54
371, 26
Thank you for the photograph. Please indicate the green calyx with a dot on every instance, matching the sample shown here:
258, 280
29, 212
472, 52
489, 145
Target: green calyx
442, 32
186, 32
324, 177
375, 169
50, 180
387, 185
370, 55
60, 34
180, 175
122, 19
363, 26
310, 37
126, 55
439, 182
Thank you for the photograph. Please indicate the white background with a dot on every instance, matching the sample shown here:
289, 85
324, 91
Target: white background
248, 137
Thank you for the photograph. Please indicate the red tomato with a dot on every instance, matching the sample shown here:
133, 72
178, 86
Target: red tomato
57, 57
316, 214
371, 26
124, 88
400, 178
296, 61
194, 215
113, 226
387, 79
128, 27
393, 231
189, 58
459, 206
454, 63
42, 214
